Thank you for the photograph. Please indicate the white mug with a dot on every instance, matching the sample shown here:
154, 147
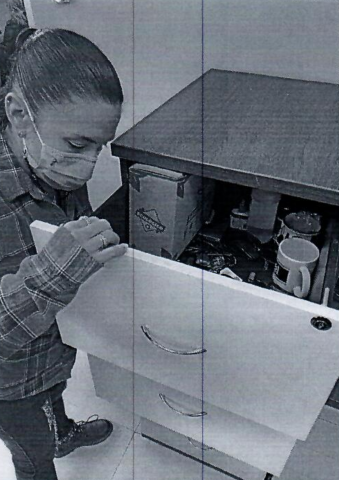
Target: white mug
296, 261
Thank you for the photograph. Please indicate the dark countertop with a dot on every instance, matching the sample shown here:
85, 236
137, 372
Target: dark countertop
267, 132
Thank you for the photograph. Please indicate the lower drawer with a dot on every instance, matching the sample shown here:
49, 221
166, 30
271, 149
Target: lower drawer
247, 441
200, 452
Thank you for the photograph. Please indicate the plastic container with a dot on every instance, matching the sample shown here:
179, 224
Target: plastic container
263, 213
239, 217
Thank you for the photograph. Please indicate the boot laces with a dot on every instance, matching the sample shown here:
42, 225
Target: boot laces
78, 428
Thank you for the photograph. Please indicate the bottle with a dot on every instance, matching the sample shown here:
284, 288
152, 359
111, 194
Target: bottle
239, 217
263, 212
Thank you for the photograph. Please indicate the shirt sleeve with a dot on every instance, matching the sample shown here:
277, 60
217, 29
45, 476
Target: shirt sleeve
31, 297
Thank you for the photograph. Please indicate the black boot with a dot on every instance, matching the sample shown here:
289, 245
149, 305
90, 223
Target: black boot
83, 434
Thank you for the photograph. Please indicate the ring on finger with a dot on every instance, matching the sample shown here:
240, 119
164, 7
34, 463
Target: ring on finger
103, 241
87, 220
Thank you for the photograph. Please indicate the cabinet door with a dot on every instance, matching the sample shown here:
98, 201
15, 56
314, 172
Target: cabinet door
263, 360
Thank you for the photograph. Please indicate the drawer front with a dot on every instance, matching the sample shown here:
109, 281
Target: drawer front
200, 452
263, 359
147, 460
255, 444
163, 343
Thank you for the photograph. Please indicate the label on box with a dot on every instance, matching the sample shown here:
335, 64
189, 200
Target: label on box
150, 220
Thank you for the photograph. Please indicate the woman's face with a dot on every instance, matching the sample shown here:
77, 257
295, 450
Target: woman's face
78, 127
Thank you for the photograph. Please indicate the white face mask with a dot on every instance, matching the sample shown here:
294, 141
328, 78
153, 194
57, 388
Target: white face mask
67, 170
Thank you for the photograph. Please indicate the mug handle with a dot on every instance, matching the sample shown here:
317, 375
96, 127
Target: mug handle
302, 292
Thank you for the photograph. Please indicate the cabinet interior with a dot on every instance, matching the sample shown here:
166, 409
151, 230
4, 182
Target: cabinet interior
227, 197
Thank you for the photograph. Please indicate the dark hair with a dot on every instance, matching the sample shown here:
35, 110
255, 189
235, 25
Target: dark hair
56, 65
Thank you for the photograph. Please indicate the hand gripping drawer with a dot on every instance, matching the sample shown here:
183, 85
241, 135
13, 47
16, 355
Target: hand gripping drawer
255, 444
253, 352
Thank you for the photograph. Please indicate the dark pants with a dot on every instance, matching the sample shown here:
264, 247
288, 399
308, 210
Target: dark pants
30, 428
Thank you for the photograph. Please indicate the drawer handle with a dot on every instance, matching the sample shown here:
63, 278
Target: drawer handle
147, 333
199, 446
194, 415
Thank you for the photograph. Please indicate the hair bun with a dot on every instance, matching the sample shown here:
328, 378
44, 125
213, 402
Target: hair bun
23, 36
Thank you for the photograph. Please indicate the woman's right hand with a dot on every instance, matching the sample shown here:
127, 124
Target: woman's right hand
97, 237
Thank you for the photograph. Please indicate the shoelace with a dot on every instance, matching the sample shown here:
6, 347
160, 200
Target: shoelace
77, 428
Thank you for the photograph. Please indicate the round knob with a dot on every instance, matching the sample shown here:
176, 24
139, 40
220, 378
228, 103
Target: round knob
321, 323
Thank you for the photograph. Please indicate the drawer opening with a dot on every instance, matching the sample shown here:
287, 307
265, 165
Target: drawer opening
221, 243
224, 244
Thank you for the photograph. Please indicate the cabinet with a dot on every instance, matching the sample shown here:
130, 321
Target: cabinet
232, 366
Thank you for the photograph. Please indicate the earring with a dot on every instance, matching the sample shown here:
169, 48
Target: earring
24, 151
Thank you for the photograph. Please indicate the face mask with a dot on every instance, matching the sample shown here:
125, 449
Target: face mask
67, 170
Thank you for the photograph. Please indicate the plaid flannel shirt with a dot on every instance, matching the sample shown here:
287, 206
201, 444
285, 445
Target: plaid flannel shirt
35, 287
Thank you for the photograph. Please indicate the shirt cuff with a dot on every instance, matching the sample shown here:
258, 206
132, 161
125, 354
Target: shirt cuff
61, 265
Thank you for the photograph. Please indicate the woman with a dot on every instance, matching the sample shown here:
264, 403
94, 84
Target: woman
61, 103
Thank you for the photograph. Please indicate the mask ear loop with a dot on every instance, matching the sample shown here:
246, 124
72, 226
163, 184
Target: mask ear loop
33, 121
25, 156
25, 150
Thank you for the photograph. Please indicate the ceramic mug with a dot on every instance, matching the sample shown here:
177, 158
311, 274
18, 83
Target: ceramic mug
296, 261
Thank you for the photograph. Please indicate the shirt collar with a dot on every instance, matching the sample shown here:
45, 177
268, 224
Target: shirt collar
14, 180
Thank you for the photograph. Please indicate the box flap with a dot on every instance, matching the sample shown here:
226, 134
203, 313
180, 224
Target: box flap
157, 172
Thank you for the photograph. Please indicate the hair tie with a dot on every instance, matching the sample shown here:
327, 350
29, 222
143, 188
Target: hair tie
29, 35
37, 34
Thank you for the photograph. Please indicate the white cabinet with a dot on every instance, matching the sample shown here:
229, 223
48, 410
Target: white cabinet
275, 371
195, 419
197, 353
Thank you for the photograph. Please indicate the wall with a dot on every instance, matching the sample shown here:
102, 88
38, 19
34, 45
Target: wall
4, 15
287, 38
171, 46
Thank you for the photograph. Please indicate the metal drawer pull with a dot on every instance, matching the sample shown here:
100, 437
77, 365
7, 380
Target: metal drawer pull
194, 415
198, 445
147, 333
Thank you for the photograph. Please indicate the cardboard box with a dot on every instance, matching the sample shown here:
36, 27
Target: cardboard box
167, 209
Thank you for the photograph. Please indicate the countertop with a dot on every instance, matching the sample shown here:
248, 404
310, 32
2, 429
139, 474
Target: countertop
266, 132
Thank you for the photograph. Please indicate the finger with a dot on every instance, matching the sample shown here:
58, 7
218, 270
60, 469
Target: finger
96, 243
95, 227
73, 225
111, 237
80, 223
111, 252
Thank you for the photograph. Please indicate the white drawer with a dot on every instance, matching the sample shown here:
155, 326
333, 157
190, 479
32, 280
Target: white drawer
264, 360
255, 444
146, 460
200, 452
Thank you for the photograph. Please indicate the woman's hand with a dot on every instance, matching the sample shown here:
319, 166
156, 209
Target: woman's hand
95, 236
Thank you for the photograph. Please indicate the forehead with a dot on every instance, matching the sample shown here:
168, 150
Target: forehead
95, 119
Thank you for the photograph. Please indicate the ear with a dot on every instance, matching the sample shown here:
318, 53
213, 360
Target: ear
17, 113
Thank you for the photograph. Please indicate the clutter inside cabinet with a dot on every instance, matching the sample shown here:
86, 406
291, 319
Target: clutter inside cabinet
270, 240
